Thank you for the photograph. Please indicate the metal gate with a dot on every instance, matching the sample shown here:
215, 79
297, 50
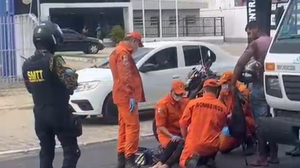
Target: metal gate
15, 43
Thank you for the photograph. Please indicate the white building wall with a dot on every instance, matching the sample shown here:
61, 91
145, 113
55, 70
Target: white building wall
169, 4
220, 4
168, 22
186, 9
235, 20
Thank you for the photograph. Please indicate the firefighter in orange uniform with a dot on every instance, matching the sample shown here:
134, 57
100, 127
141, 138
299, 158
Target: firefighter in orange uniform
168, 112
127, 92
201, 125
230, 143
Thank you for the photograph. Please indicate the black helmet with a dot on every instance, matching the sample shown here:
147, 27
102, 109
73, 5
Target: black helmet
47, 35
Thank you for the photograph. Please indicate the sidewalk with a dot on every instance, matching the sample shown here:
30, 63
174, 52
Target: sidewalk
17, 131
19, 98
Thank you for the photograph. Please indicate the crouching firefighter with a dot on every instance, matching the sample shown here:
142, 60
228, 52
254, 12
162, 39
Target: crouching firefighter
229, 143
201, 125
168, 112
51, 82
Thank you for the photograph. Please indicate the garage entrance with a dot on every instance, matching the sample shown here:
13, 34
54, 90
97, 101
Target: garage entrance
77, 18
76, 15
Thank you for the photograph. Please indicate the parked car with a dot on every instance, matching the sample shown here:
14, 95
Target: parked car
74, 41
159, 63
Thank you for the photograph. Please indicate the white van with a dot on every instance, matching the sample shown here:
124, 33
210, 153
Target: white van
282, 80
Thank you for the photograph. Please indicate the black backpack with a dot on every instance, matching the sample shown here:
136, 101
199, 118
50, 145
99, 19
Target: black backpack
237, 125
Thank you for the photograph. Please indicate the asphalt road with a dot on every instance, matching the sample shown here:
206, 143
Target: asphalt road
103, 155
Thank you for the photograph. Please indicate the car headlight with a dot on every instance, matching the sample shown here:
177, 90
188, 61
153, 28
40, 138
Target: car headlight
273, 86
85, 86
100, 41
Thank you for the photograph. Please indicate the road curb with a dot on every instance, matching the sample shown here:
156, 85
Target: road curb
25, 151
84, 58
17, 108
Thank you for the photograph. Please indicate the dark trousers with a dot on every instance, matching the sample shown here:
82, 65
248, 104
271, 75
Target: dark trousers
203, 160
260, 109
172, 153
265, 148
51, 121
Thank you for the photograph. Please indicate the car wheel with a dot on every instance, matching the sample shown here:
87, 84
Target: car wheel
92, 49
110, 111
154, 130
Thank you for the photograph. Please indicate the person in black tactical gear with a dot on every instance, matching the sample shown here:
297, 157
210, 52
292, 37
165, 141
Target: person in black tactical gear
51, 83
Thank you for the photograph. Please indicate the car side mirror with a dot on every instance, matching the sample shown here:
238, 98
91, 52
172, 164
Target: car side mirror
147, 68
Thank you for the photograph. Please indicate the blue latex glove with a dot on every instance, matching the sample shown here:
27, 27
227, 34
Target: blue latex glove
131, 104
226, 132
175, 138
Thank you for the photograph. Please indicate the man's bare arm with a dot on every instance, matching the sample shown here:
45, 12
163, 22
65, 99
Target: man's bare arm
243, 60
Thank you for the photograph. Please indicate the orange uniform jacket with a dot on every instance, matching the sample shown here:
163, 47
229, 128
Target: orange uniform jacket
205, 117
127, 79
168, 113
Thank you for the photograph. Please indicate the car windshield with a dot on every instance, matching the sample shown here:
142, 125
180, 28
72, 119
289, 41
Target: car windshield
287, 39
138, 55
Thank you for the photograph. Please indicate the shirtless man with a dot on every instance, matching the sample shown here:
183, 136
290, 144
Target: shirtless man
257, 49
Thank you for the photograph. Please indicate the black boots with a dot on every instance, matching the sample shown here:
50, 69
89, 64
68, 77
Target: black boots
294, 152
250, 146
121, 160
193, 161
211, 163
130, 162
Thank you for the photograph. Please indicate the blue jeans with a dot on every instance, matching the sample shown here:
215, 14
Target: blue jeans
259, 105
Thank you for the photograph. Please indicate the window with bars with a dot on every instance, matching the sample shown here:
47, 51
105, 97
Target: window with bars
154, 21
190, 19
172, 20
138, 21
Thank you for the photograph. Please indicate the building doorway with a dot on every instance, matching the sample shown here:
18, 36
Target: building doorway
76, 15
77, 18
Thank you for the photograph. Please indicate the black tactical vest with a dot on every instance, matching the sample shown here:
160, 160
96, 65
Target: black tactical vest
46, 88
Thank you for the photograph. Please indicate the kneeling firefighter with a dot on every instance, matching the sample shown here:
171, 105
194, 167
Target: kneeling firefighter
168, 112
229, 143
51, 82
201, 125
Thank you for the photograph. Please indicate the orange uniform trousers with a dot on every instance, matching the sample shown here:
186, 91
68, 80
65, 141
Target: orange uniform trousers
192, 148
129, 130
